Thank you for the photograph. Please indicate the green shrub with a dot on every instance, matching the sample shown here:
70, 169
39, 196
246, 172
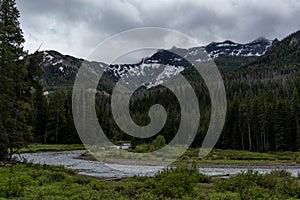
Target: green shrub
223, 196
178, 182
97, 185
82, 180
141, 148
57, 176
241, 181
158, 143
277, 184
255, 192
12, 188
147, 196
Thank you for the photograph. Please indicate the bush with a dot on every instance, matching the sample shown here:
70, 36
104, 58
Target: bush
178, 182
82, 180
223, 196
278, 184
241, 181
12, 188
96, 185
158, 143
147, 196
132, 188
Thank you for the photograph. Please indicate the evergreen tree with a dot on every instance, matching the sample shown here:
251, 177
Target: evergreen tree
56, 116
39, 115
296, 110
69, 135
281, 142
14, 88
39, 101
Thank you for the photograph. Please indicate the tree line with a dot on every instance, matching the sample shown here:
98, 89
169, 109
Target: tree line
263, 100
263, 104
26, 114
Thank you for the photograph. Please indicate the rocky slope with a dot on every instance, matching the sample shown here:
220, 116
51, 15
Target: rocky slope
60, 70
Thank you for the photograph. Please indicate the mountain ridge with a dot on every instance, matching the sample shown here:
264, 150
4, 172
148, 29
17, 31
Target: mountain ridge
164, 61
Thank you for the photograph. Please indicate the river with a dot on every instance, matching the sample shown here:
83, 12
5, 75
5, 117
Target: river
70, 159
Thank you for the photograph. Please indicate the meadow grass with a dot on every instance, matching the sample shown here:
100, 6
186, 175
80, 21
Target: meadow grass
34, 181
215, 157
239, 157
50, 147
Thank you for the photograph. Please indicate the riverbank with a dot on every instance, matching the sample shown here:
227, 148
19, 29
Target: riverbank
32, 148
34, 181
216, 157
70, 159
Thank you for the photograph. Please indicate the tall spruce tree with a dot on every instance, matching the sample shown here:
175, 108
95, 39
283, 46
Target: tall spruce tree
14, 104
295, 112
68, 133
38, 118
56, 116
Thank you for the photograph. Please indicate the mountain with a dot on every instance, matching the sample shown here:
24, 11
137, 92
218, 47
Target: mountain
281, 61
60, 70
263, 100
262, 97
227, 48
262, 91
257, 47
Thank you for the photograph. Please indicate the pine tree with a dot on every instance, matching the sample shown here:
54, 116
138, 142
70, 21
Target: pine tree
296, 110
56, 116
39, 115
69, 134
39, 102
14, 89
280, 127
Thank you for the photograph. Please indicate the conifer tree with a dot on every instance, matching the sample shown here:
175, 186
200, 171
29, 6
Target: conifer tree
39, 115
56, 116
296, 110
69, 134
38, 118
14, 89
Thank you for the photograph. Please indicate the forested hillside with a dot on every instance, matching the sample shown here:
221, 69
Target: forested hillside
262, 92
263, 111
17, 82
263, 105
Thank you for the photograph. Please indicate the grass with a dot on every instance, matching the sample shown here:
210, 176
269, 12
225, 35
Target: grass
27, 181
232, 157
166, 156
239, 157
31, 181
50, 147
215, 157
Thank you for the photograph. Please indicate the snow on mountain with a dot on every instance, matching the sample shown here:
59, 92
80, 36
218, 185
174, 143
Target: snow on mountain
257, 47
157, 68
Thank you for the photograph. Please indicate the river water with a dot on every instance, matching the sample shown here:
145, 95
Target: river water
70, 159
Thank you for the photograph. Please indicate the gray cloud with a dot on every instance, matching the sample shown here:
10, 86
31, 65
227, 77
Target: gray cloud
76, 26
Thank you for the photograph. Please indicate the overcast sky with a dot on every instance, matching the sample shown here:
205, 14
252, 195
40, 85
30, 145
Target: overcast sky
75, 27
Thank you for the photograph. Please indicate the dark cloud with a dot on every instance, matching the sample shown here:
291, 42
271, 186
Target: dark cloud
76, 26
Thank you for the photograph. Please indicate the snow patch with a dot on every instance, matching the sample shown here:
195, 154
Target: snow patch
47, 57
178, 59
58, 62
